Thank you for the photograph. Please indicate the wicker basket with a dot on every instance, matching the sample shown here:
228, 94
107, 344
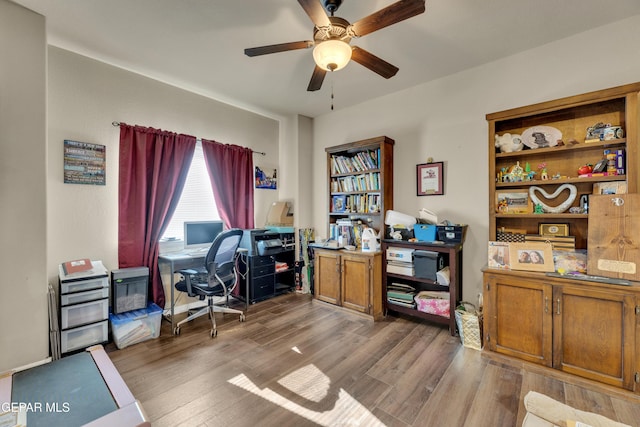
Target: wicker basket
469, 323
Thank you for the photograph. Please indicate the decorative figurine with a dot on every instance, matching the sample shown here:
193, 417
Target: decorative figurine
514, 173
585, 169
543, 171
538, 209
508, 142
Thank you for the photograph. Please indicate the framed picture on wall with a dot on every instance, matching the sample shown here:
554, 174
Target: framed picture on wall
266, 180
429, 177
84, 163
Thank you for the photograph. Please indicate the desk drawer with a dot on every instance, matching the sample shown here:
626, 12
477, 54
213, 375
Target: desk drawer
80, 297
84, 336
84, 285
262, 287
81, 314
260, 261
263, 270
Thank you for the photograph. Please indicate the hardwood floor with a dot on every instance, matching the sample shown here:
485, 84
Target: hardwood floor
300, 362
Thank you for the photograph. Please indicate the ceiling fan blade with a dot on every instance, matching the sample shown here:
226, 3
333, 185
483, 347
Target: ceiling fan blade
373, 63
316, 12
274, 48
316, 79
396, 12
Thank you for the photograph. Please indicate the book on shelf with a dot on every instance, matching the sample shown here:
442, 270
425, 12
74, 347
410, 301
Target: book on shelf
401, 303
400, 287
400, 295
359, 162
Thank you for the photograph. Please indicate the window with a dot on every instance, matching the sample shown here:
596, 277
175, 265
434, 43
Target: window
196, 202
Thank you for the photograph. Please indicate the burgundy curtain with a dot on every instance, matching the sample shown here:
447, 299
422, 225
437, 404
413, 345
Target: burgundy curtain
231, 172
153, 168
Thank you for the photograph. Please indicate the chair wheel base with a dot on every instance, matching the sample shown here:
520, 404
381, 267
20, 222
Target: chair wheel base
213, 333
242, 318
176, 330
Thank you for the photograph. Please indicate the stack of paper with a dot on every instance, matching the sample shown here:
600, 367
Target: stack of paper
401, 294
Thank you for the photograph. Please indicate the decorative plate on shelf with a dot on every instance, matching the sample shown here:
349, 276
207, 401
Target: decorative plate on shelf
541, 136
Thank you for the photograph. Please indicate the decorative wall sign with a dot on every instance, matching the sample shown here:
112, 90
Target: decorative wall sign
430, 179
264, 180
84, 163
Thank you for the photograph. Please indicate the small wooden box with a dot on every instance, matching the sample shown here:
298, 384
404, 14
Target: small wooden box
613, 246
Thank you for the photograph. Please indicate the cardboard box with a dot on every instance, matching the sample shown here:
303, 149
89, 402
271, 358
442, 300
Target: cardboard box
400, 254
400, 268
279, 214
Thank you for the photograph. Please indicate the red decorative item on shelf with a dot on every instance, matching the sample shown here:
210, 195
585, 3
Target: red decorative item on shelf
585, 169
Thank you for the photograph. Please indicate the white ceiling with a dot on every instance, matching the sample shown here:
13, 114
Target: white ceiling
199, 45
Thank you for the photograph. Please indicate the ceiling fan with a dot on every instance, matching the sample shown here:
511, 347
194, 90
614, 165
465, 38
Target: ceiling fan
332, 34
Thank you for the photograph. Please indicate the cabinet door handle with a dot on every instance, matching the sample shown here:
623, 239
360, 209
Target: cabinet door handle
546, 304
558, 306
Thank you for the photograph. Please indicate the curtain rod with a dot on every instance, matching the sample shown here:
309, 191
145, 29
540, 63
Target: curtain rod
117, 124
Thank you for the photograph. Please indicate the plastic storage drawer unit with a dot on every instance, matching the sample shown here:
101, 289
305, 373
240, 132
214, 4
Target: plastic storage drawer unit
136, 326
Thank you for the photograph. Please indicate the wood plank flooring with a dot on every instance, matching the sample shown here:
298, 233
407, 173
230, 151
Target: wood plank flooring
301, 362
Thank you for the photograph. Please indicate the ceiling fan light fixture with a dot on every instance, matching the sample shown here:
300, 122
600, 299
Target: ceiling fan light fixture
332, 55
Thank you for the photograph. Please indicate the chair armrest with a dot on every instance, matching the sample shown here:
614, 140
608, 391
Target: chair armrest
188, 271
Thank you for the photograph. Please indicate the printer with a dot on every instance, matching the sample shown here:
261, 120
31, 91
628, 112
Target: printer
261, 241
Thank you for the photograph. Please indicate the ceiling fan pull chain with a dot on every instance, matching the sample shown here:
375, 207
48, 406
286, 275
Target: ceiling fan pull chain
331, 77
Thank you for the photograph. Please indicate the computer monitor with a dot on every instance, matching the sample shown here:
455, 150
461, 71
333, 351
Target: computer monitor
200, 234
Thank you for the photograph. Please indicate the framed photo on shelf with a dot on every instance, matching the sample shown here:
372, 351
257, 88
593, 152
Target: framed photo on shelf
611, 187
430, 179
513, 202
545, 229
532, 256
339, 203
499, 255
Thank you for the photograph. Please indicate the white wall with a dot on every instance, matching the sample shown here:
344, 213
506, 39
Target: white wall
85, 96
24, 337
445, 119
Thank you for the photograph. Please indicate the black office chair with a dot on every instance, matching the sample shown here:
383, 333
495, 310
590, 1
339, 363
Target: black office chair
217, 278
